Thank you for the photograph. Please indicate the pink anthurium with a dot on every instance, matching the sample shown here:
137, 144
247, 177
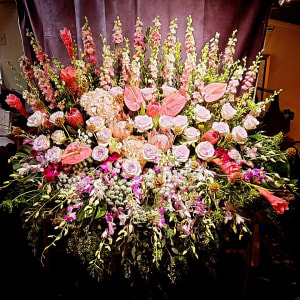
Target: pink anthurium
214, 91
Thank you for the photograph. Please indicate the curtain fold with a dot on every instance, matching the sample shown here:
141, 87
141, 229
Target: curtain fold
45, 18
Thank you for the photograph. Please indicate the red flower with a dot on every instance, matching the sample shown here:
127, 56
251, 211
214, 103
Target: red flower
69, 76
50, 173
279, 204
210, 136
92, 59
66, 37
114, 157
16, 103
74, 118
153, 109
223, 154
229, 168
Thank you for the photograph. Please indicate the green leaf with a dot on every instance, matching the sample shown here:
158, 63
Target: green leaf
16, 165
25, 148
80, 214
101, 210
21, 155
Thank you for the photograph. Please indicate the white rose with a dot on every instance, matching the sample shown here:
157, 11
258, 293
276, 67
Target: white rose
149, 152
181, 153
205, 150
103, 137
36, 119
250, 122
228, 112
167, 90
221, 127
143, 123
97, 121
58, 114
58, 137
192, 134
181, 121
234, 154
53, 155
239, 134
165, 122
201, 113
41, 143
100, 153
131, 167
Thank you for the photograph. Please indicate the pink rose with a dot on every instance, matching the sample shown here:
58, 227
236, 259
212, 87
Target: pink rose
41, 143
221, 127
143, 123
97, 121
234, 154
239, 134
147, 93
181, 153
228, 112
100, 153
180, 121
53, 155
117, 90
149, 152
103, 136
201, 113
205, 150
192, 134
165, 122
250, 122
131, 167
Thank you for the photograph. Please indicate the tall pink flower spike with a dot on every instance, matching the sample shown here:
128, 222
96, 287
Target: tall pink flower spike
214, 91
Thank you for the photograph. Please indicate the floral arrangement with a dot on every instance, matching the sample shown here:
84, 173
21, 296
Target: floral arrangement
145, 157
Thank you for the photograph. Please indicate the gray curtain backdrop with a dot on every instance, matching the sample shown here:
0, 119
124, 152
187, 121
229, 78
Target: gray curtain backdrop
45, 18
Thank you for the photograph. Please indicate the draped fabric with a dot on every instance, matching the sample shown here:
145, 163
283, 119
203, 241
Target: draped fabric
46, 17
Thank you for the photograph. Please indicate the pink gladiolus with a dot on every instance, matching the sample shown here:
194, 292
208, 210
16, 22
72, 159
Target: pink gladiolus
279, 204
